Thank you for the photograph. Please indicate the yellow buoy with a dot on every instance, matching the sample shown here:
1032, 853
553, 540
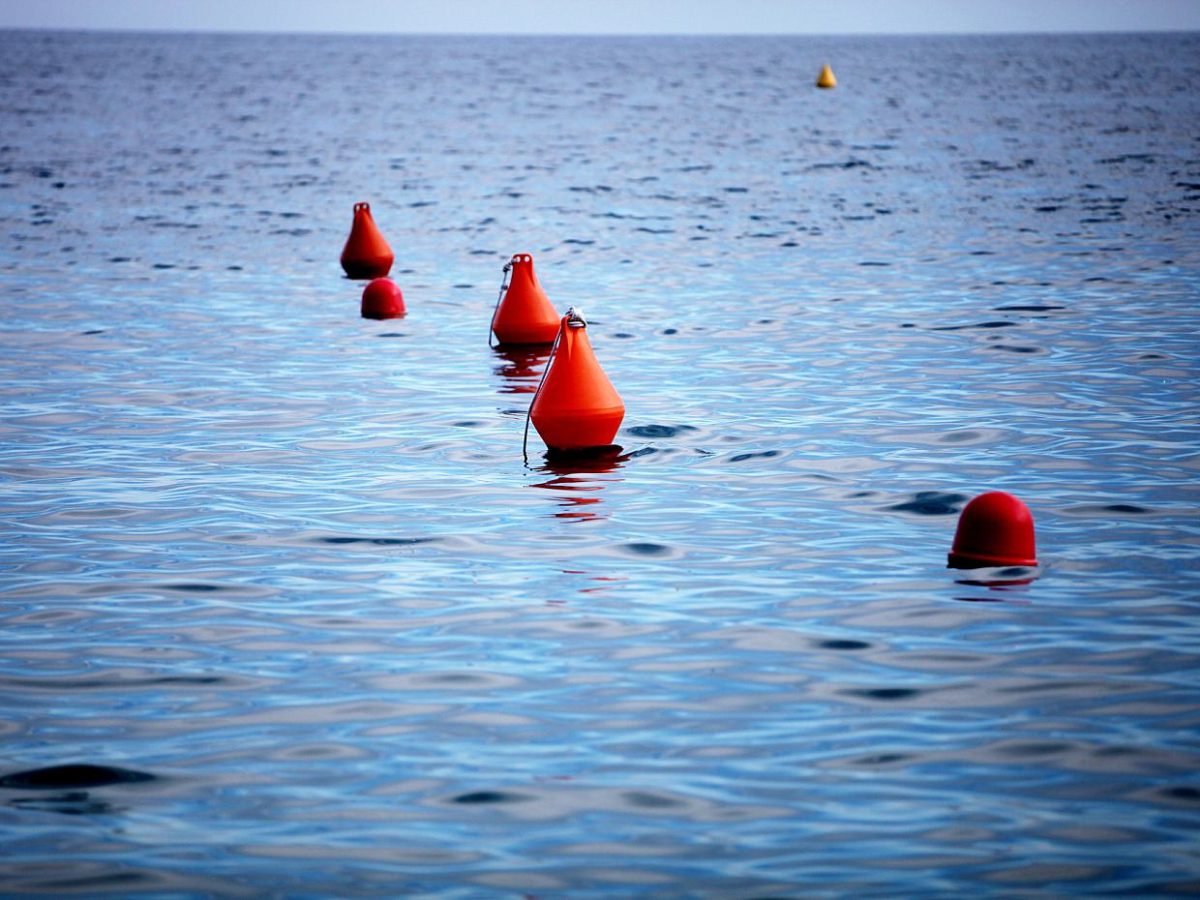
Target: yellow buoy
826, 79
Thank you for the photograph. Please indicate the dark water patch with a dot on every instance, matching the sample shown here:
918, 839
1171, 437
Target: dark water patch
1016, 348
890, 694
94, 331
72, 775
1105, 510
467, 423
70, 803
377, 541
1184, 793
843, 644
851, 163
650, 800
647, 548
931, 503
881, 759
761, 454
992, 324
966, 436
194, 587
1034, 749
659, 431
1031, 307
874, 263
489, 798
391, 334
1126, 158
102, 683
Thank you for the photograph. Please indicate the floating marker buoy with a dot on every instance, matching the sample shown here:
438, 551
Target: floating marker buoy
523, 313
826, 79
576, 406
994, 529
381, 299
366, 254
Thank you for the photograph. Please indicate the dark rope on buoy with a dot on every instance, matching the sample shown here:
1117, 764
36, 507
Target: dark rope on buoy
574, 319
529, 411
503, 287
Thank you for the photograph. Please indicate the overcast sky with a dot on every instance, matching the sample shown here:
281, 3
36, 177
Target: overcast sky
608, 16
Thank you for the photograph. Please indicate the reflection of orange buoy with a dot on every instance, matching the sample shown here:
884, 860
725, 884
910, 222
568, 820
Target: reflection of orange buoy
994, 529
523, 314
382, 299
366, 254
826, 79
576, 407
521, 367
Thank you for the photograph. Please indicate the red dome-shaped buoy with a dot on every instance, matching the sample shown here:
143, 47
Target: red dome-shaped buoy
524, 314
366, 254
576, 407
381, 299
994, 529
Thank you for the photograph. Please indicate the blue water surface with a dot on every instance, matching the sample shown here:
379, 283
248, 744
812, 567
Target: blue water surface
283, 609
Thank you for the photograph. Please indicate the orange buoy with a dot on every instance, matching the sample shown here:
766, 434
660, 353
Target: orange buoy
994, 529
366, 254
523, 313
382, 299
576, 407
826, 79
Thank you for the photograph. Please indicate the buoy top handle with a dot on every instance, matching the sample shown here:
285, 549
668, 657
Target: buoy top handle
574, 318
363, 207
522, 258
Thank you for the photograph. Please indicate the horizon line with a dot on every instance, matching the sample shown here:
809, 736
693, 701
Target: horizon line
1016, 32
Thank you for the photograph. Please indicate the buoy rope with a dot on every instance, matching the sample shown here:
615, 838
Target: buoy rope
529, 411
572, 318
503, 287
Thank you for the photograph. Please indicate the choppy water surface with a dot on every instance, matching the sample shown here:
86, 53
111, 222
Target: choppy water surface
284, 610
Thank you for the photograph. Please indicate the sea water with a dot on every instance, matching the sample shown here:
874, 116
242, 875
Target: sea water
284, 610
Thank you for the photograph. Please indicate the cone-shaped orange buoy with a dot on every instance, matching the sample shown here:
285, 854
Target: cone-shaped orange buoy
523, 314
826, 79
366, 254
576, 407
382, 299
994, 529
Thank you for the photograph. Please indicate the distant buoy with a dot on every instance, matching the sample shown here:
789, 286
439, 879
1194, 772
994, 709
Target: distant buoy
523, 313
381, 299
576, 406
826, 79
366, 254
994, 529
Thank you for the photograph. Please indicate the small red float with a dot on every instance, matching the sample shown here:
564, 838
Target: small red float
381, 299
994, 529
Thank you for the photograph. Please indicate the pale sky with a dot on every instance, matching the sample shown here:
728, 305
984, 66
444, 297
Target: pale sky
608, 16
